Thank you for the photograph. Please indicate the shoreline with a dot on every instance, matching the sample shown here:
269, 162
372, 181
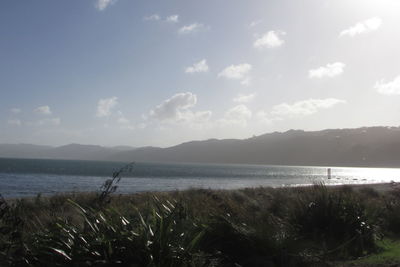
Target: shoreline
379, 187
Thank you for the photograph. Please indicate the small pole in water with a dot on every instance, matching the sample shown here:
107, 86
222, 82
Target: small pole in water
329, 173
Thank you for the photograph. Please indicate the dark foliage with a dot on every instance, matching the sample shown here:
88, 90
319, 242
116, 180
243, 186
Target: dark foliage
249, 227
335, 222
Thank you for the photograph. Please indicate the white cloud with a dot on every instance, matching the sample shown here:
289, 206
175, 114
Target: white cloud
191, 28
200, 66
365, 26
246, 81
237, 72
330, 70
51, 122
14, 122
172, 108
105, 106
270, 39
173, 19
255, 23
45, 110
177, 109
305, 107
103, 4
244, 98
15, 110
124, 122
239, 114
198, 117
153, 17
388, 88
264, 117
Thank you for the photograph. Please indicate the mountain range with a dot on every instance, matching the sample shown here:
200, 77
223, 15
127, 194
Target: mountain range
367, 147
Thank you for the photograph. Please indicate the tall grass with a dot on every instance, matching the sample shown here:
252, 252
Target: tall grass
336, 223
106, 238
249, 227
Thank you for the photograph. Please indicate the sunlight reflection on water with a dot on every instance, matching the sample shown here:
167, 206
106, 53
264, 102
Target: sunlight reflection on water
45, 179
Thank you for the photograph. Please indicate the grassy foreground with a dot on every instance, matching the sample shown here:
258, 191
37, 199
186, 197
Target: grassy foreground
310, 226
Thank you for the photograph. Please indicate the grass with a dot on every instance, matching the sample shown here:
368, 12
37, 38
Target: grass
389, 254
310, 226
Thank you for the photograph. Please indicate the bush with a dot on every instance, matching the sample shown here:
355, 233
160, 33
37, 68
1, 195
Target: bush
251, 227
267, 243
106, 238
391, 214
335, 221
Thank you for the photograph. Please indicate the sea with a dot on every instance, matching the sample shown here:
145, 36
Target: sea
30, 177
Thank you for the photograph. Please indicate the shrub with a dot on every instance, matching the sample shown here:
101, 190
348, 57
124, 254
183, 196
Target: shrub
335, 221
106, 238
267, 243
265, 227
391, 214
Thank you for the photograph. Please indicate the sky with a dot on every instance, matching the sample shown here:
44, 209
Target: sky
163, 72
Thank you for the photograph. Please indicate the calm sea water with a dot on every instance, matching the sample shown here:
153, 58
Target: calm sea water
27, 177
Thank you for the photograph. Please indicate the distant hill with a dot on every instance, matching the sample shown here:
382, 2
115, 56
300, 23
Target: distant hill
368, 146
71, 151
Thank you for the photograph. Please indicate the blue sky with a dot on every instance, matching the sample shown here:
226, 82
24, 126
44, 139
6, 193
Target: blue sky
162, 72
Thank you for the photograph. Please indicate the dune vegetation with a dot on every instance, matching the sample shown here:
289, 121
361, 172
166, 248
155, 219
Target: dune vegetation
307, 226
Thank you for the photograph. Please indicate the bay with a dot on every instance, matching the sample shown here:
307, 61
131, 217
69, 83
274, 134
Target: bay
29, 177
